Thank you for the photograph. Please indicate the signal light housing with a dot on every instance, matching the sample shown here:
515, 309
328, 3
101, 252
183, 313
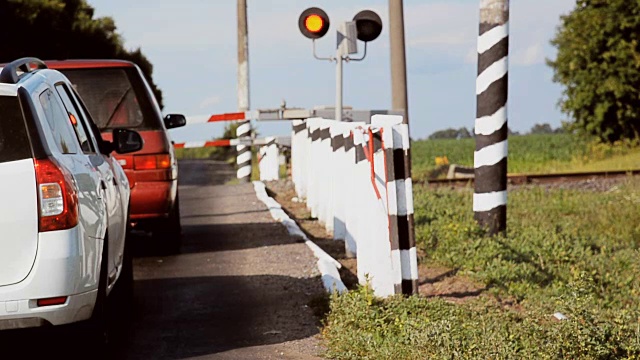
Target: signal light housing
314, 23
369, 25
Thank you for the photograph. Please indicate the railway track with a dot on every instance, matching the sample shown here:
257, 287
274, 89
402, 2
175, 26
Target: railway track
537, 179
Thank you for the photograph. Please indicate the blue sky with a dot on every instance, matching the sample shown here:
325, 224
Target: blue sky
192, 44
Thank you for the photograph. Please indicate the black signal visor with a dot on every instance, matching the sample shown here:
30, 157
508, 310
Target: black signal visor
369, 25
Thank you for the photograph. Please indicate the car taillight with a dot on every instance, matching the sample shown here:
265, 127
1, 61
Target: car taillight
152, 162
57, 195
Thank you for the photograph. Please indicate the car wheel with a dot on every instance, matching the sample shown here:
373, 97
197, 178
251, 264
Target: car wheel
168, 232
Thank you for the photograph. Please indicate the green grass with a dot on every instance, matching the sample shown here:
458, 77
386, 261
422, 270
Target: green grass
532, 154
570, 251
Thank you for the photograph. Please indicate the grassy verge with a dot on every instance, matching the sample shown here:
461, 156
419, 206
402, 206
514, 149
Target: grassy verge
570, 251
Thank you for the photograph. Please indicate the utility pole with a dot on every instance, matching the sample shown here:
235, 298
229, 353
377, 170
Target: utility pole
398, 59
491, 126
399, 101
244, 155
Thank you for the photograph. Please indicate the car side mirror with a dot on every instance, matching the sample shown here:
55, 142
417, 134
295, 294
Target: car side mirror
126, 141
172, 121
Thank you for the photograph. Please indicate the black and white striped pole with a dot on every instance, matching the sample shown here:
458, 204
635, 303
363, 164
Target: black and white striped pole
491, 127
243, 158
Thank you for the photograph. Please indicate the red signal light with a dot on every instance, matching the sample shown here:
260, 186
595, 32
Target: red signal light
314, 23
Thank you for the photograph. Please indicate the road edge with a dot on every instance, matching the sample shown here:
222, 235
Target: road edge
327, 265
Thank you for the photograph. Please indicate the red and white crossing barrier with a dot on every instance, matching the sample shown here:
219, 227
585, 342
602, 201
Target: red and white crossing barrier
236, 116
353, 178
226, 142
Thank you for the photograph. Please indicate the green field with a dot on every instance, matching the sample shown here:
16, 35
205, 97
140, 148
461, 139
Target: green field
531, 154
569, 251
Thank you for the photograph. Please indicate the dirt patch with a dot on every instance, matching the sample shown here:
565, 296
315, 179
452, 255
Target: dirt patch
434, 281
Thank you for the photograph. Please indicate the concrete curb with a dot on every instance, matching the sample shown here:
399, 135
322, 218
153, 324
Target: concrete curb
327, 265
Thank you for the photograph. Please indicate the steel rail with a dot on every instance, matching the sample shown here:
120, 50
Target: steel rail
523, 179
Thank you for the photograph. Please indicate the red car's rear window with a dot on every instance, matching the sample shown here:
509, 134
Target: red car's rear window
115, 97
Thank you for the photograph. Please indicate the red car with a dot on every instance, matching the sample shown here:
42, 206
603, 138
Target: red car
118, 96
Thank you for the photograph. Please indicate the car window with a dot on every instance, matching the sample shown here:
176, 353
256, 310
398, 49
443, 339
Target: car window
76, 119
14, 142
116, 98
59, 123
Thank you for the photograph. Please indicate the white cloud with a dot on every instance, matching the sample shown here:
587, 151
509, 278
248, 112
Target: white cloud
450, 29
210, 101
439, 39
532, 55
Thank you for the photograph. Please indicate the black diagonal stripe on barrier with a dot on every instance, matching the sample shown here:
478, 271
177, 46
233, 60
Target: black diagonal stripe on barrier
397, 288
314, 135
412, 225
404, 241
391, 165
399, 172
299, 128
337, 142
360, 154
377, 141
409, 287
348, 143
393, 232
325, 134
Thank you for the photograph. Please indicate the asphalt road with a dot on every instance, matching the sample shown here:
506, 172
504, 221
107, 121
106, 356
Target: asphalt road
240, 288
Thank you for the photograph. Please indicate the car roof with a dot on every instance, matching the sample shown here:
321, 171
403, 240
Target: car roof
8, 89
88, 64
26, 72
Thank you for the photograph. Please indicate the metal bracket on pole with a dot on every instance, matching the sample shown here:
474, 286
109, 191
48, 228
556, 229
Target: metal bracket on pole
360, 58
318, 57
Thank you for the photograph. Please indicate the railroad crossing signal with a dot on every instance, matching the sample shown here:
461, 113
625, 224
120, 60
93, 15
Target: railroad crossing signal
314, 23
366, 26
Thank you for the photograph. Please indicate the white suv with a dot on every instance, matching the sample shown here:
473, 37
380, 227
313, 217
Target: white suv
64, 208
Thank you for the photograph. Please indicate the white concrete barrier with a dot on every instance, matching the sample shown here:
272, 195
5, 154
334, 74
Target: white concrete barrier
269, 161
357, 184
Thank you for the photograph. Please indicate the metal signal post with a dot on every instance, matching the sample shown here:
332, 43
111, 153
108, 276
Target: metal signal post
366, 26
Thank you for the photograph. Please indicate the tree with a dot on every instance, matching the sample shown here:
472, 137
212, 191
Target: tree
63, 29
598, 63
541, 129
451, 133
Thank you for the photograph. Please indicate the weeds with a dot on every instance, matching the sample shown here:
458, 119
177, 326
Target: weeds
570, 251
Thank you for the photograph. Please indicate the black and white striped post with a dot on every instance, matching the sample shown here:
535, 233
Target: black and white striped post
397, 147
491, 127
243, 158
